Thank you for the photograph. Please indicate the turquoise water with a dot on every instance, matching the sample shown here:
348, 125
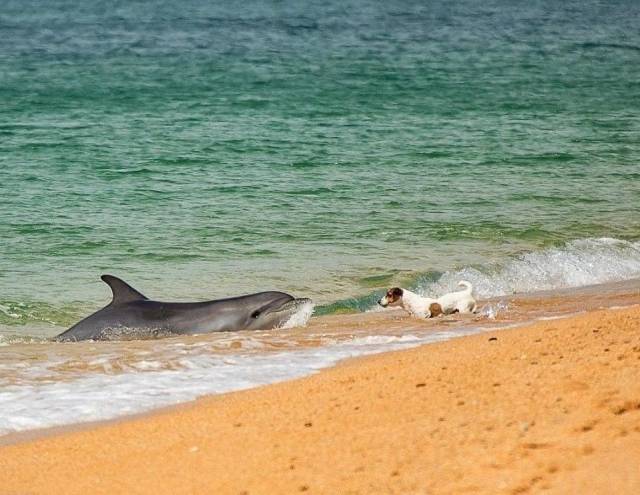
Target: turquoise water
325, 149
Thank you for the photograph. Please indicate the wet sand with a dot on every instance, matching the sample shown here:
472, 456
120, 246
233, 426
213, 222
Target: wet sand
552, 407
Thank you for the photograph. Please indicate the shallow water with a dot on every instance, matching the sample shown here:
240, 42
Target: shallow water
45, 384
62, 385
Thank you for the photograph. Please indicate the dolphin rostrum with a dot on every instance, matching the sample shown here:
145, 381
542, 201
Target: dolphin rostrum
132, 315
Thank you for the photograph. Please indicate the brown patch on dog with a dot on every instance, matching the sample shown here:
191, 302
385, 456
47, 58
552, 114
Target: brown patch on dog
394, 294
435, 309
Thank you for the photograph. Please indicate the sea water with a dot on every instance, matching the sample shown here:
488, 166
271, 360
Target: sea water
326, 149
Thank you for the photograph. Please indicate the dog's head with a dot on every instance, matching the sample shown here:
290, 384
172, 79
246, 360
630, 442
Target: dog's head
391, 298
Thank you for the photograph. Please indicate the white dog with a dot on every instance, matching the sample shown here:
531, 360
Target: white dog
427, 307
461, 301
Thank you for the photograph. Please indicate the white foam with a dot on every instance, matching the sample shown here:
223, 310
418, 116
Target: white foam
578, 263
5, 310
147, 365
618, 308
491, 311
100, 396
559, 317
300, 317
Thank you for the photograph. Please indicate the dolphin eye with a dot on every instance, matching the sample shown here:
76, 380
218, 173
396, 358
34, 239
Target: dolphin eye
255, 314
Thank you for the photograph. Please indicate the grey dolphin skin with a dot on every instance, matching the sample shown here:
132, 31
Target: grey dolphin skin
131, 315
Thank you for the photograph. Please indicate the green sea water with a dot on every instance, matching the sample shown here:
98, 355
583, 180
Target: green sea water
328, 149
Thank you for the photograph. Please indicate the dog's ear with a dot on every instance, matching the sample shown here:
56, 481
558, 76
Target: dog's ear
435, 309
396, 292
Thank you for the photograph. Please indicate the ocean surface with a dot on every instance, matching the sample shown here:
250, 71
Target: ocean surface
327, 149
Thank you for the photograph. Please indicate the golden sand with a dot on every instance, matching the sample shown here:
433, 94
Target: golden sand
553, 407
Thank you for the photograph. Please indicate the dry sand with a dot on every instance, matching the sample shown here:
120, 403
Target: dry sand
553, 407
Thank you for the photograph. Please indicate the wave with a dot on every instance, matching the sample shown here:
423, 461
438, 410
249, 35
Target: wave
20, 313
578, 263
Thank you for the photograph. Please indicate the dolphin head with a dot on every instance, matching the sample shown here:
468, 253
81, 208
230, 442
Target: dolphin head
277, 310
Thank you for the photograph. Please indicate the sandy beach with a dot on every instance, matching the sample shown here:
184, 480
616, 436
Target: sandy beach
552, 407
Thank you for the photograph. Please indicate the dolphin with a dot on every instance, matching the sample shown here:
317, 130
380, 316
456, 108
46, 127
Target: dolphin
132, 315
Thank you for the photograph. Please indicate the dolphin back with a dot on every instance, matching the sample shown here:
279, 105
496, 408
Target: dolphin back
94, 326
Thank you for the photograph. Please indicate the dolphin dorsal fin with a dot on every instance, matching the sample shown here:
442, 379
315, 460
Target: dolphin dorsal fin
122, 291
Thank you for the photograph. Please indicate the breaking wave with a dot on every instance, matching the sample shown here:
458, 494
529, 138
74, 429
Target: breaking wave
578, 263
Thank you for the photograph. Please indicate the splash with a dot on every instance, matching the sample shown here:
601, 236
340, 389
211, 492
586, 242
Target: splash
578, 263
301, 316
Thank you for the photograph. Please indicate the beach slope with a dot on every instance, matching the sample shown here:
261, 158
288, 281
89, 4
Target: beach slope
552, 407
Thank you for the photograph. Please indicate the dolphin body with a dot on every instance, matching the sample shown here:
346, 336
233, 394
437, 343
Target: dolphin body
132, 315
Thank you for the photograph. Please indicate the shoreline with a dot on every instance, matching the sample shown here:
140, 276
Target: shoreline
37, 434
554, 305
335, 431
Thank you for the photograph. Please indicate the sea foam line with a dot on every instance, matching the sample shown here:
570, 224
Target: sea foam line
102, 396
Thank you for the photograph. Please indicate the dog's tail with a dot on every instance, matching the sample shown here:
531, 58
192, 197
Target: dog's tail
467, 286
